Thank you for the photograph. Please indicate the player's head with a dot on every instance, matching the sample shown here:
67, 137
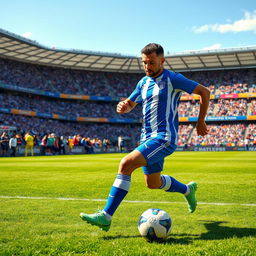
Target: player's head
153, 59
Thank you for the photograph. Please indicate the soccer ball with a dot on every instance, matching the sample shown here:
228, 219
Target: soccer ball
155, 224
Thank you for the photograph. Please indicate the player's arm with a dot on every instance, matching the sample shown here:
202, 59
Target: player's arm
125, 106
204, 103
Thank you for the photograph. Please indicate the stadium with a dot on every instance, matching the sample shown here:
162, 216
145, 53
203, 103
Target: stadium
65, 100
73, 94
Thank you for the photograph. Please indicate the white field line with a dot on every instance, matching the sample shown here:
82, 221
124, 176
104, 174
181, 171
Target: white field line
104, 200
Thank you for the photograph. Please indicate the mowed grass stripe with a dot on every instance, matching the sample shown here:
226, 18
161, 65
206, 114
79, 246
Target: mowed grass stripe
223, 177
125, 201
41, 198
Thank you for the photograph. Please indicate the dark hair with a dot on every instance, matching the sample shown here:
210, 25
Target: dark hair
151, 48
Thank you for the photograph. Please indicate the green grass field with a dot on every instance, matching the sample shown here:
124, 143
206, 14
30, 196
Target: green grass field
41, 198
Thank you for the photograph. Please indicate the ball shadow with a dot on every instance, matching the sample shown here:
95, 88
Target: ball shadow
215, 231
118, 237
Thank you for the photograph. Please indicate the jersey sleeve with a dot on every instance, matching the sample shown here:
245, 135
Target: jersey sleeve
136, 94
181, 82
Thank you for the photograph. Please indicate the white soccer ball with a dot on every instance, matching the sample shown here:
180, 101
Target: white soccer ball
155, 224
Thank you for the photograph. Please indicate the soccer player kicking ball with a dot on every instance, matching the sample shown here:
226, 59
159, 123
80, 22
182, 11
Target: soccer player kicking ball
159, 93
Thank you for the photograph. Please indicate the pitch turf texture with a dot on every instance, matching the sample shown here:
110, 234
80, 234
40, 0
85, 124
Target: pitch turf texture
38, 216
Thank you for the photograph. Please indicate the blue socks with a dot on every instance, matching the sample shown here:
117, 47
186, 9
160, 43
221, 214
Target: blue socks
121, 187
169, 184
117, 193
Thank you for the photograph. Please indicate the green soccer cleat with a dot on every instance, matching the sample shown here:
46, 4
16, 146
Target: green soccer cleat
98, 219
191, 197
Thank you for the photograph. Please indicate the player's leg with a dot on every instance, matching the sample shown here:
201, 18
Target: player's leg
26, 150
118, 191
32, 150
155, 152
170, 184
122, 182
158, 181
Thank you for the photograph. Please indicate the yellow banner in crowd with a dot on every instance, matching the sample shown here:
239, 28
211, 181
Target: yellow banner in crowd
74, 96
251, 117
23, 112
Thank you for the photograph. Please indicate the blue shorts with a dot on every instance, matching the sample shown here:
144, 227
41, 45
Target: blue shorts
154, 151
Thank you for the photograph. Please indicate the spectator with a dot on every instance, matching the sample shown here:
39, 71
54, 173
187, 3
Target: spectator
253, 108
62, 142
70, 144
56, 145
4, 140
76, 140
13, 145
29, 139
106, 144
88, 145
120, 144
50, 144
43, 145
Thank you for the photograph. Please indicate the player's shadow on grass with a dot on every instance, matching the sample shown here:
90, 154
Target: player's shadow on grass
216, 232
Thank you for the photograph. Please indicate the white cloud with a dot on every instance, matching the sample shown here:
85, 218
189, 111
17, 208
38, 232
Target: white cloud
212, 47
207, 48
27, 34
247, 23
201, 29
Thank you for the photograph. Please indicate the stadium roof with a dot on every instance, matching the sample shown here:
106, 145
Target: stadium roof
19, 48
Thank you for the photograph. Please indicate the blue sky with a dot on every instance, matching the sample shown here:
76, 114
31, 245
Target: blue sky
124, 27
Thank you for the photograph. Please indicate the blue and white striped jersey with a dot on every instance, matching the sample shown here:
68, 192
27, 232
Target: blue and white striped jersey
160, 99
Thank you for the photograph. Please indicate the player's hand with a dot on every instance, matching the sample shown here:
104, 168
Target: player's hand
122, 107
201, 128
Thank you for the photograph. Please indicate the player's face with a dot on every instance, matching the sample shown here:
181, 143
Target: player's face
153, 64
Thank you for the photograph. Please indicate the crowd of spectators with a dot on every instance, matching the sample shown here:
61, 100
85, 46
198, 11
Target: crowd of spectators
253, 88
221, 135
252, 110
206, 78
226, 81
118, 85
185, 108
67, 80
220, 107
232, 89
231, 107
251, 134
235, 76
68, 108
112, 84
184, 134
40, 126
94, 134
71, 108
191, 108
49, 144
235, 81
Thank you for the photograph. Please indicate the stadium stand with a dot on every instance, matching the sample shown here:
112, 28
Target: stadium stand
76, 106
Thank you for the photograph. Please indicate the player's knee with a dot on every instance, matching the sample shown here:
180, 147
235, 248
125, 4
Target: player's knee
126, 166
